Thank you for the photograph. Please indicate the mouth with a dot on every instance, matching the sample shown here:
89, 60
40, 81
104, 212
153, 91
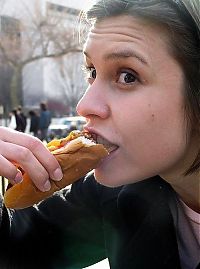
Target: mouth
97, 138
107, 144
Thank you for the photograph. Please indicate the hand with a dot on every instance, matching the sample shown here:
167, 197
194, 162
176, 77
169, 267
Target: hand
31, 154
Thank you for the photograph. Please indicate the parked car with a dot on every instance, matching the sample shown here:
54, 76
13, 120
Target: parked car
65, 125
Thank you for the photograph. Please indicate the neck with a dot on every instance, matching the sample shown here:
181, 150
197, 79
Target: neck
188, 189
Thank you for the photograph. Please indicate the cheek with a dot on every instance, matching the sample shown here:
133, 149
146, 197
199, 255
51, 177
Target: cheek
153, 135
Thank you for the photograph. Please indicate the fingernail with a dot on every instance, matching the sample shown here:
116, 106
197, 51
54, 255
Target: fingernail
57, 174
47, 186
18, 178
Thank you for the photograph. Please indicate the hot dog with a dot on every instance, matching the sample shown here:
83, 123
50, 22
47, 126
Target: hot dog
77, 154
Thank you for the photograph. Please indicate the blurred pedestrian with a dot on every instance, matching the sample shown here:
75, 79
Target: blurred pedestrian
44, 121
22, 118
12, 120
34, 122
16, 121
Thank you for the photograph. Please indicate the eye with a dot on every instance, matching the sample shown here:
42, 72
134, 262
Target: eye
90, 72
127, 77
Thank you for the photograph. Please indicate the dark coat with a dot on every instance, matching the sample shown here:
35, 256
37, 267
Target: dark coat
45, 119
131, 225
20, 122
34, 124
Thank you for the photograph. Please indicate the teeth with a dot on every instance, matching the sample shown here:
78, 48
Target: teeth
109, 146
100, 140
103, 141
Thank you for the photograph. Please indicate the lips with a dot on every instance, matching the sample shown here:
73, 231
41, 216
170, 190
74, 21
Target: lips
107, 144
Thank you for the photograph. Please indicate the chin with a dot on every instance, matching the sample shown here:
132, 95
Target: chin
115, 180
108, 180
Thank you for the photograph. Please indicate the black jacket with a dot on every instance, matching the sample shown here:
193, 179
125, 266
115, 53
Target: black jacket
131, 225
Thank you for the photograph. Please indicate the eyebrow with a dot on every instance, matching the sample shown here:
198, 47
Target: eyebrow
125, 53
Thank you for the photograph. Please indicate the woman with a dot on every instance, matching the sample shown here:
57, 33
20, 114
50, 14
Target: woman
142, 208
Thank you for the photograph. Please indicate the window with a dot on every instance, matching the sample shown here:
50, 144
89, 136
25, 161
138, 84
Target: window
54, 8
9, 25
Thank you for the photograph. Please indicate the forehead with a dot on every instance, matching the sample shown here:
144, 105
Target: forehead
126, 32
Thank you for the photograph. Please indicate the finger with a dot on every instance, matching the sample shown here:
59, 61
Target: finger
47, 160
28, 162
9, 171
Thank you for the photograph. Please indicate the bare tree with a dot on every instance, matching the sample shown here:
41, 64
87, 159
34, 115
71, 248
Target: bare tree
68, 79
38, 35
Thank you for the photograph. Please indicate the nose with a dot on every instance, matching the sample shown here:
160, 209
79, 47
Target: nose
94, 103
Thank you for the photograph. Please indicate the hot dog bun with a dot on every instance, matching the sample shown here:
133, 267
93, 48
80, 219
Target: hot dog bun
76, 154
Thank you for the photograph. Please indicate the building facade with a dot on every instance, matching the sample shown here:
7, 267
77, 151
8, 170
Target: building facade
57, 80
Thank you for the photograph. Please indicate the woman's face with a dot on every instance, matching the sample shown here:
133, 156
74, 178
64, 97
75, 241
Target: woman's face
134, 101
